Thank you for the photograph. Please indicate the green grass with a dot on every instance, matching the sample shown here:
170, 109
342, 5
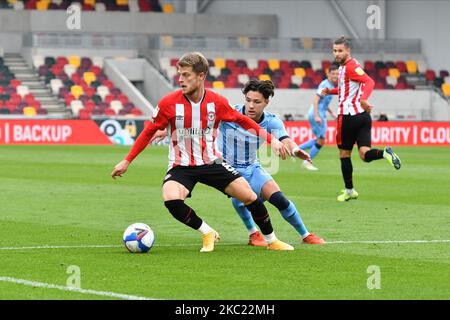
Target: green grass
64, 196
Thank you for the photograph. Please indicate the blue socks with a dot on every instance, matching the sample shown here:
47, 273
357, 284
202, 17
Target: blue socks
307, 145
292, 216
287, 209
315, 150
313, 145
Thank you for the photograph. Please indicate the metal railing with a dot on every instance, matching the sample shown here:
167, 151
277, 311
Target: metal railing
251, 44
84, 40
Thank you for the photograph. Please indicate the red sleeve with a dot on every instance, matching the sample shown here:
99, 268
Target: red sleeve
229, 114
146, 135
334, 91
356, 73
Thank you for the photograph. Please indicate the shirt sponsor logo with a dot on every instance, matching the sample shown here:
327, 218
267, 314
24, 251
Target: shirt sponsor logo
211, 116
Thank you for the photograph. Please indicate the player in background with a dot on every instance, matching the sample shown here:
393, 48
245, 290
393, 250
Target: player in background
240, 148
354, 123
317, 116
191, 116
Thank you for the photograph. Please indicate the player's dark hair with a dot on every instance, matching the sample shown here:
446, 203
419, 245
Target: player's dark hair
343, 40
265, 87
334, 66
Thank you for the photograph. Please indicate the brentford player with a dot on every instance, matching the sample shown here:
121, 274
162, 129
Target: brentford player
191, 116
354, 123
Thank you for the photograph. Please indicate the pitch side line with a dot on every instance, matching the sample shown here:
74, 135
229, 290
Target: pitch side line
220, 244
73, 289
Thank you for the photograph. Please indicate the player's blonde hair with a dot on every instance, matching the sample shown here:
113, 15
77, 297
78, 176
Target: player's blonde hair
196, 60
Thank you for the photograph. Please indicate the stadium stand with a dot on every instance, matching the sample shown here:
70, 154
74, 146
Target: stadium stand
89, 5
83, 86
16, 90
305, 74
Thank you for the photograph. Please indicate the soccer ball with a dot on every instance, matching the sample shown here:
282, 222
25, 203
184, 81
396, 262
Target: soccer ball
138, 238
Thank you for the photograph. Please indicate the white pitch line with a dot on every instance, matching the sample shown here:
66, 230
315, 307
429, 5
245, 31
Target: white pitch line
220, 244
387, 241
72, 289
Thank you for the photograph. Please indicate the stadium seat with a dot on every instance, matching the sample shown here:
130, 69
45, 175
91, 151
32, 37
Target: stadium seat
56, 85
214, 71
29, 111
100, 7
264, 77
252, 63
77, 91
391, 80
168, 8
38, 61
422, 66
274, 64
18, 5
76, 106
84, 114
219, 63
218, 85
75, 61
89, 77
42, 5
116, 105
243, 78
300, 72
22, 90
69, 70
394, 72
446, 89
430, 75
443, 74
296, 80
411, 66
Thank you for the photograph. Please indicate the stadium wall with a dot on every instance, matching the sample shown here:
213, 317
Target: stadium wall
141, 23
125, 131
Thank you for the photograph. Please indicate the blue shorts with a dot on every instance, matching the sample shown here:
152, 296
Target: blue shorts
256, 177
319, 130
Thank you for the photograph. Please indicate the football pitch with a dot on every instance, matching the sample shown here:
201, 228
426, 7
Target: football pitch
62, 219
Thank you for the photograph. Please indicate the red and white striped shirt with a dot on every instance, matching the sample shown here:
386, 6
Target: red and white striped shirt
192, 128
353, 85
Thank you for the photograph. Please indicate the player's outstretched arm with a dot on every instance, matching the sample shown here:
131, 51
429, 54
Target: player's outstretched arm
295, 151
141, 142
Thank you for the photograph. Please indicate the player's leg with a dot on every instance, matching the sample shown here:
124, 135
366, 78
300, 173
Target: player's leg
255, 238
319, 131
175, 193
245, 215
369, 154
272, 193
345, 139
317, 146
241, 190
310, 143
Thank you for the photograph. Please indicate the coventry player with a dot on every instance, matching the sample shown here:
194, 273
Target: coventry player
239, 148
317, 116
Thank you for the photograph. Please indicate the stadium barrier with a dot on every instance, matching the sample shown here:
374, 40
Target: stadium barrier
384, 133
125, 131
